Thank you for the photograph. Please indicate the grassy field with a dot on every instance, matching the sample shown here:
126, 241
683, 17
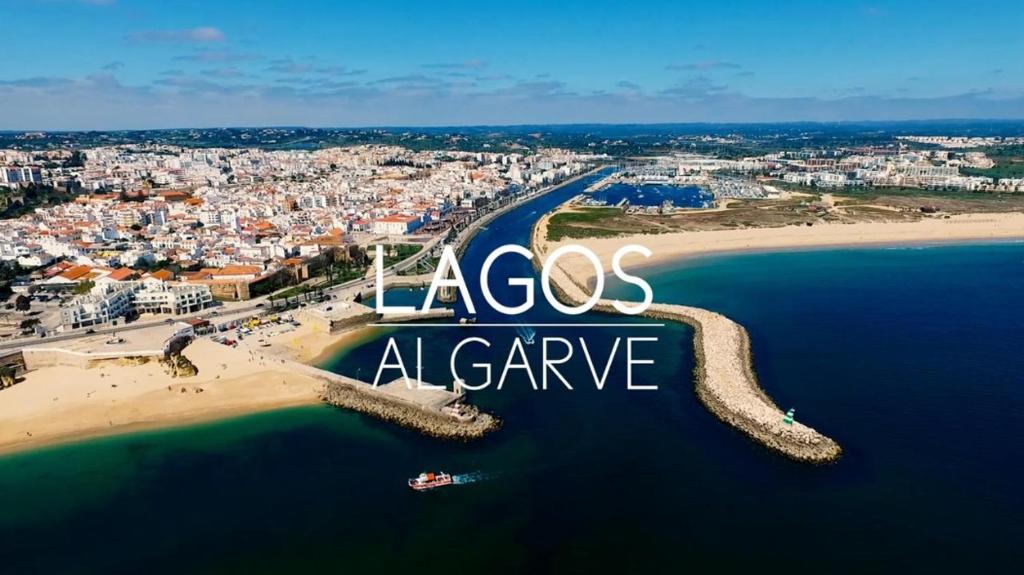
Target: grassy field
1009, 164
394, 253
585, 223
849, 205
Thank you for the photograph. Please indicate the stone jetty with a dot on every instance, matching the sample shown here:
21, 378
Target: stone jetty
463, 423
727, 386
725, 379
438, 413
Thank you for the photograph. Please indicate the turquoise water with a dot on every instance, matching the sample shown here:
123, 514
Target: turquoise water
909, 357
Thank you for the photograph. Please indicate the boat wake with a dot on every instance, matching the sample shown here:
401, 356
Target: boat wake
526, 334
473, 477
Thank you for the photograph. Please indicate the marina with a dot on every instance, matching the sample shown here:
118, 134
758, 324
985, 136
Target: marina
647, 195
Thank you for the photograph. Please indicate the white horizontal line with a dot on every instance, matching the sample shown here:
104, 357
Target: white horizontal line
416, 324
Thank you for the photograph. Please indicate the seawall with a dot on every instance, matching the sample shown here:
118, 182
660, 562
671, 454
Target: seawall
469, 233
39, 357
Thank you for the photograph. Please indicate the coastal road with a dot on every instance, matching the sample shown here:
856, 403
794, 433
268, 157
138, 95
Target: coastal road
205, 314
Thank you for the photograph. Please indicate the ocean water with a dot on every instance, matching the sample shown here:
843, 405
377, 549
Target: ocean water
909, 357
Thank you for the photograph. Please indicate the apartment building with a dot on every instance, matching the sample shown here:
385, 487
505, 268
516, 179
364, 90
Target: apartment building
110, 303
174, 299
15, 175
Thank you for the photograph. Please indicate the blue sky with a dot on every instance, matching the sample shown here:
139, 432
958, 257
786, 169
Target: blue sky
113, 64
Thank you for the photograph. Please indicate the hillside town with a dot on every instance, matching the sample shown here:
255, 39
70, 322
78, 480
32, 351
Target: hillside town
164, 229
168, 230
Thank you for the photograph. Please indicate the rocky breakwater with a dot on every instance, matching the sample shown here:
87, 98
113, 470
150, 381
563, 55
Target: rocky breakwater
461, 422
725, 380
727, 386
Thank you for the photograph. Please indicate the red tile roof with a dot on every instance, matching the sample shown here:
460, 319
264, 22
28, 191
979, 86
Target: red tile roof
121, 274
76, 272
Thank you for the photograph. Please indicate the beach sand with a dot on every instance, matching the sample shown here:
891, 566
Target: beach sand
56, 404
674, 246
311, 346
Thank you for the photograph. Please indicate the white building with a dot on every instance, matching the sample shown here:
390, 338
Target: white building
396, 225
106, 303
109, 302
174, 299
13, 175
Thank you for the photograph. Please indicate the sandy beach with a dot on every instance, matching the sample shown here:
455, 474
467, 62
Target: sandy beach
311, 346
674, 246
56, 404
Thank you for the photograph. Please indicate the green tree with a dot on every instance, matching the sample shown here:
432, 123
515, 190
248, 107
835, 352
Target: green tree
22, 303
84, 287
77, 160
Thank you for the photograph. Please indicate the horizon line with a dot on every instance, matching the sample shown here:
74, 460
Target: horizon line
530, 125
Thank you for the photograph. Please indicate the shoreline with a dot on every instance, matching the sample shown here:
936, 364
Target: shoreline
672, 248
62, 404
59, 405
681, 260
169, 421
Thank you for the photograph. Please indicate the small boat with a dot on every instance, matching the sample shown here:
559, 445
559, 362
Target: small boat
428, 480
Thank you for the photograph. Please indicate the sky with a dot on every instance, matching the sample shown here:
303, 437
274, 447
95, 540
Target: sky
134, 64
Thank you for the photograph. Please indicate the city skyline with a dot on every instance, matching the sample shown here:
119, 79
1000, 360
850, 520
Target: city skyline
117, 64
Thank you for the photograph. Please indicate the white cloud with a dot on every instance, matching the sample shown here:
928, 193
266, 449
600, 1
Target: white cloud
101, 102
202, 34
